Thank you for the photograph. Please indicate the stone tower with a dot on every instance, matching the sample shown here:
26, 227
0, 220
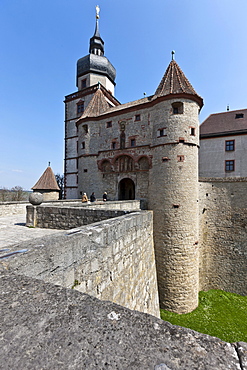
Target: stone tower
173, 190
92, 70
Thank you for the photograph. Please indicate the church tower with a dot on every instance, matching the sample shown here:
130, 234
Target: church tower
93, 70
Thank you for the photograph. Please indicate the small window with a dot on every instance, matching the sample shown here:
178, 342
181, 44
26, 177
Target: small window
83, 145
85, 169
85, 128
77, 163
165, 159
229, 165
137, 117
181, 140
239, 115
114, 145
109, 124
192, 131
177, 108
230, 145
80, 107
84, 83
132, 142
161, 132
180, 158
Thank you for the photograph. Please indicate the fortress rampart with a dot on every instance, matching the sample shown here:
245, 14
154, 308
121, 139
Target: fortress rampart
111, 260
223, 234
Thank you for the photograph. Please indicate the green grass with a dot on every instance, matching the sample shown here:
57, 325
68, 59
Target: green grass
220, 314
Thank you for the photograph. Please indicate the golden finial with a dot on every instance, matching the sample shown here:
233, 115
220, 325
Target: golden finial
97, 11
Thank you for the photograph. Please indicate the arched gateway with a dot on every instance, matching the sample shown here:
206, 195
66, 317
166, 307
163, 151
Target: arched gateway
126, 189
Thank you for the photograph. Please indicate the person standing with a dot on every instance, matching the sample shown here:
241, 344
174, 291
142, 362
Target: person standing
92, 197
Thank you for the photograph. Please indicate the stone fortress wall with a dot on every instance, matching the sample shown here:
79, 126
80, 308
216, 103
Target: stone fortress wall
111, 259
223, 234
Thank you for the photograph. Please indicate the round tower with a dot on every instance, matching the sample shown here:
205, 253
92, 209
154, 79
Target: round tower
173, 190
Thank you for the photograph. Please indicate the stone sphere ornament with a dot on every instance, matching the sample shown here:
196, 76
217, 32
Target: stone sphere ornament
36, 198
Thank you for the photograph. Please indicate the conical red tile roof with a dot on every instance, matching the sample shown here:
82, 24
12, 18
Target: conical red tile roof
174, 81
47, 181
96, 106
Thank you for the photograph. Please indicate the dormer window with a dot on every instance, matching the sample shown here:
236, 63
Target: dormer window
239, 115
80, 107
177, 108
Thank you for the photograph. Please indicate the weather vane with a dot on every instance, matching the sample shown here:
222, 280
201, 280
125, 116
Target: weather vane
173, 53
97, 11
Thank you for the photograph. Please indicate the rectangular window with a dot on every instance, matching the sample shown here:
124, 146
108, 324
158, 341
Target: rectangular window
229, 165
84, 83
137, 117
230, 145
80, 107
239, 115
161, 132
132, 142
83, 145
109, 124
192, 131
114, 145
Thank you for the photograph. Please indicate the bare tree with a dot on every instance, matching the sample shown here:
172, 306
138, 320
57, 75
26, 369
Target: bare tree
17, 193
4, 192
60, 182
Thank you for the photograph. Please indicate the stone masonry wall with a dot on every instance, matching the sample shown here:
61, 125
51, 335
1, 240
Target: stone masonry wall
12, 208
68, 216
111, 260
223, 235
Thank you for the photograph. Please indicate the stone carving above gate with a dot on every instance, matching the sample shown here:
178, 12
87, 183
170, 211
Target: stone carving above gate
125, 163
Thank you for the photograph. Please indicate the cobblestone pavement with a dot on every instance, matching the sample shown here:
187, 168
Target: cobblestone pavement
13, 231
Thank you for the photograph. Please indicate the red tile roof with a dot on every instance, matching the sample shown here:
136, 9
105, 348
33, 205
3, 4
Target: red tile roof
47, 181
224, 123
175, 82
97, 105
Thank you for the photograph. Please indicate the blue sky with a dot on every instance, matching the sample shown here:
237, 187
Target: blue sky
41, 41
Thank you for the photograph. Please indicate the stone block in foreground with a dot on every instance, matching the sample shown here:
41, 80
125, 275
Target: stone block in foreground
49, 327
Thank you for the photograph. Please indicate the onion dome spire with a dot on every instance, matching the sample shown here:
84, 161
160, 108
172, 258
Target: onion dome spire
96, 42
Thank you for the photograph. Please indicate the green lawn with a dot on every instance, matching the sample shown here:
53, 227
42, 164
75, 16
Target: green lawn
220, 314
